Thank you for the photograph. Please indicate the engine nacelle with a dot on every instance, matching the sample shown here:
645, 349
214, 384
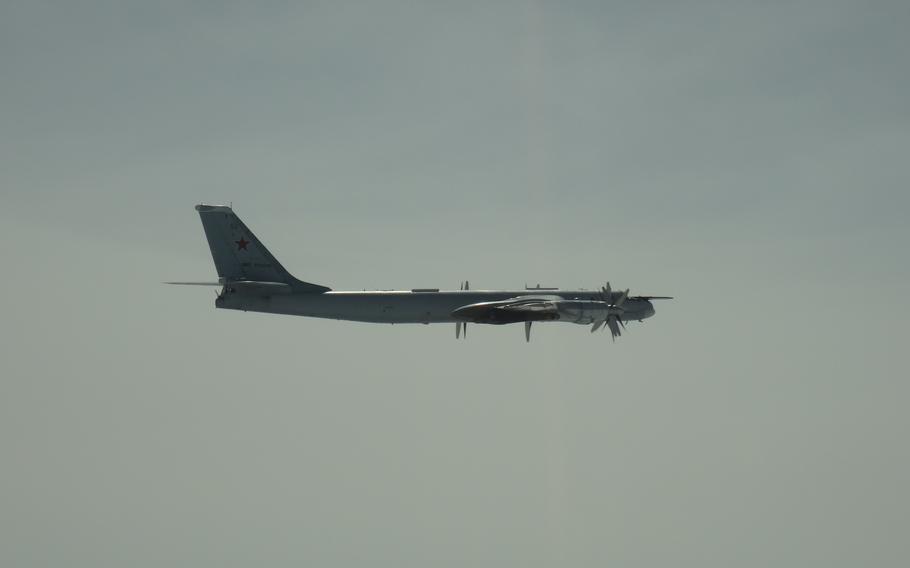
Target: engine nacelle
582, 312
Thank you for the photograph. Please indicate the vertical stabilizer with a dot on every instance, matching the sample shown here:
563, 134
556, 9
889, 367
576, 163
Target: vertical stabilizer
239, 255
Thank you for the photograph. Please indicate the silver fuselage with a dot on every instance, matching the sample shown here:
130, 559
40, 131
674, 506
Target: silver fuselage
404, 306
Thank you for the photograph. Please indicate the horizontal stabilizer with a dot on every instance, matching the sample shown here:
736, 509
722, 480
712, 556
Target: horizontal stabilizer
260, 288
251, 287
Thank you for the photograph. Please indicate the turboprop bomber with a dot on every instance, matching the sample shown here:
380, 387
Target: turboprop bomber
251, 279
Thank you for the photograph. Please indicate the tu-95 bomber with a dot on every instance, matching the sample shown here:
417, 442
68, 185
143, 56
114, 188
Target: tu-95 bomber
251, 279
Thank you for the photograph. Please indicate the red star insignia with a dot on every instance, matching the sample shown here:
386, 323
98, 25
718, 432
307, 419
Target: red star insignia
241, 244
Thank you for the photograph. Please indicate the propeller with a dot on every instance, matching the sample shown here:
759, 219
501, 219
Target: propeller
614, 311
527, 331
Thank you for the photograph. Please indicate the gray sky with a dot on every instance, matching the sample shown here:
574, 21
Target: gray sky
748, 158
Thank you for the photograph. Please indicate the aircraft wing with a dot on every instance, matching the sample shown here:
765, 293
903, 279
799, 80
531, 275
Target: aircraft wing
529, 306
522, 308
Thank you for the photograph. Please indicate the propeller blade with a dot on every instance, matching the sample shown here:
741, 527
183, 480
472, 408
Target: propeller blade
464, 329
622, 298
528, 331
457, 329
607, 293
597, 325
467, 285
614, 328
622, 323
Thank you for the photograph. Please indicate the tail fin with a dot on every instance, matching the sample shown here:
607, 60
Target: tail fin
239, 255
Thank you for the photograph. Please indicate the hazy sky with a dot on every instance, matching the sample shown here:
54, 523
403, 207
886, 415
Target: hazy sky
749, 158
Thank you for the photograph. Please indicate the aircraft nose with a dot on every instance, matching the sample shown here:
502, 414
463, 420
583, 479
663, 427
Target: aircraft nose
649, 309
